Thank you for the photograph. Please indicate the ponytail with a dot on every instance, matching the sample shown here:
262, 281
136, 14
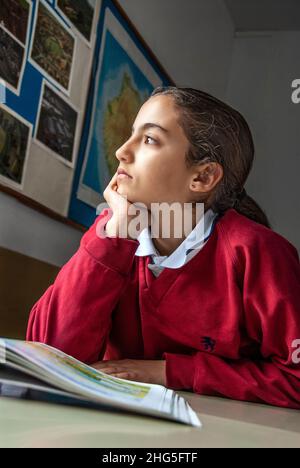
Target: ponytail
245, 205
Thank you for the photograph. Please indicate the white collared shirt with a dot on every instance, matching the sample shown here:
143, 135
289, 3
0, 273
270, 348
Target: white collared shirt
191, 245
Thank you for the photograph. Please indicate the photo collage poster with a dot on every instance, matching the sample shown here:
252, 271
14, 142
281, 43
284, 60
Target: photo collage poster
40, 101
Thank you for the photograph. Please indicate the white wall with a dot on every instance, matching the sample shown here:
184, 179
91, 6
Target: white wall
263, 68
193, 41
27, 231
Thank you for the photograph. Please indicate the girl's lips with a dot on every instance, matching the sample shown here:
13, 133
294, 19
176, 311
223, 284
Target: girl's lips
123, 176
121, 172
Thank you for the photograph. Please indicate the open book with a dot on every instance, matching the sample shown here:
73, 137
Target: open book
38, 371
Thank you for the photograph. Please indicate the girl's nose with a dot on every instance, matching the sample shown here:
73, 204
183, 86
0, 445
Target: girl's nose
124, 153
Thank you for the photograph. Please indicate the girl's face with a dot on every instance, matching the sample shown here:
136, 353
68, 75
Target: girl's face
154, 156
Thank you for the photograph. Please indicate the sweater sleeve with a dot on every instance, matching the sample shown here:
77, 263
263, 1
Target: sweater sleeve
271, 298
74, 314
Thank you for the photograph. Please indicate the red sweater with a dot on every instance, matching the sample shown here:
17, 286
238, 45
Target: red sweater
225, 322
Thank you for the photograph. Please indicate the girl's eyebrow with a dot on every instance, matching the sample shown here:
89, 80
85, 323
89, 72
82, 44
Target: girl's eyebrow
151, 125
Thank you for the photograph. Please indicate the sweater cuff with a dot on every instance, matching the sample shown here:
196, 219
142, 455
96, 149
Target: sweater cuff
116, 253
180, 371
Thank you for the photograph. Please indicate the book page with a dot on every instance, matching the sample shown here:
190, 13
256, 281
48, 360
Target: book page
69, 374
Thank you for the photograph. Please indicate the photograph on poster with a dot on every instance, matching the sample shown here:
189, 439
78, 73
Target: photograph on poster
124, 80
12, 61
15, 17
15, 137
52, 47
80, 13
56, 125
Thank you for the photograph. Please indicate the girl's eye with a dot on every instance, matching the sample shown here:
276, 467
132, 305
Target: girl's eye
150, 138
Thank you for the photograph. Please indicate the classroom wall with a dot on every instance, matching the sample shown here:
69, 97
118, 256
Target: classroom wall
27, 231
264, 64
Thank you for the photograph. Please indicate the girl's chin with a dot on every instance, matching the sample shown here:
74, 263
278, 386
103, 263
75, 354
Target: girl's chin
125, 193
122, 191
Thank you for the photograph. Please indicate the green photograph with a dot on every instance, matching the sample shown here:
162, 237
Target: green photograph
80, 13
53, 47
14, 136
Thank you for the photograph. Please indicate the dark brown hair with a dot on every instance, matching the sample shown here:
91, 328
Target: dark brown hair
218, 133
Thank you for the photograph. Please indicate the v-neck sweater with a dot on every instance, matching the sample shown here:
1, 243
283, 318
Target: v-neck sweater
227, 322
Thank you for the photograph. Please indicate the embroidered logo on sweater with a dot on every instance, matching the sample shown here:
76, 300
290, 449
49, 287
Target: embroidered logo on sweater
208, 343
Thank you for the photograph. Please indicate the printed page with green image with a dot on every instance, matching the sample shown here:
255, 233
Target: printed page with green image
64, 372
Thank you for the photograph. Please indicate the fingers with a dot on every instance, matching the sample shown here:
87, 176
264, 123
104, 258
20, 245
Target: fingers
121, 374
109, 370
116, 372
113, 183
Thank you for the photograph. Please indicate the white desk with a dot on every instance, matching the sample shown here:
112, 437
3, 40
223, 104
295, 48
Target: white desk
226, 423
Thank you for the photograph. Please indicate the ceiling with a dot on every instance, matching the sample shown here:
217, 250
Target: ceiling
267, 15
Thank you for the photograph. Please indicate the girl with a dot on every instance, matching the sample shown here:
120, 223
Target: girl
218, 317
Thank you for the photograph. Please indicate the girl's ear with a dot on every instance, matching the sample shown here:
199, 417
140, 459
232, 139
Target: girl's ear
207, 177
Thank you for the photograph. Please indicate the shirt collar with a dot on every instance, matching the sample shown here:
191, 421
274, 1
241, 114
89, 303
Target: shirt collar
194, 240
